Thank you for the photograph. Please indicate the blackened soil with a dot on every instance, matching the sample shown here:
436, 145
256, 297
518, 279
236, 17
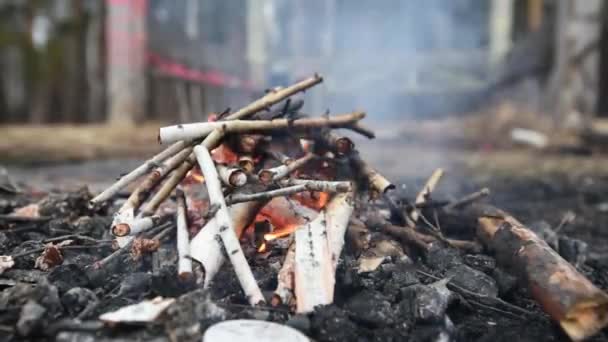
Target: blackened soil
399, 301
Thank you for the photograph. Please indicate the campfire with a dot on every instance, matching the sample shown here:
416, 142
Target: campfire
268, 182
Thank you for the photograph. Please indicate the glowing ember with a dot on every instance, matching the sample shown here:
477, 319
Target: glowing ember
224, 155
306, 145
314, 200
262, 248
280, 232
194, 176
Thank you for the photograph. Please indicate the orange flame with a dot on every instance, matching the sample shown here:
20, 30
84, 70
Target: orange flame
195, 176
281, 232
314, 200
262, 248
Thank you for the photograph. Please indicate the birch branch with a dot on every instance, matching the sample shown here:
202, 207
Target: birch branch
211, 141
285, 279
376, 181
337, 213
206, 246
246, 163
141, 170
274, 97
278, 156
231, 176
422, 196
323, 186
192, 131
313, 270
276, 173
142, 191
226, 228
137, 225
184, 266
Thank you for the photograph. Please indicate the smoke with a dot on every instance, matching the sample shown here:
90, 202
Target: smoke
393, 58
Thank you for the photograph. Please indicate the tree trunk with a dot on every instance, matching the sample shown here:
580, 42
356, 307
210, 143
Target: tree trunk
126, 45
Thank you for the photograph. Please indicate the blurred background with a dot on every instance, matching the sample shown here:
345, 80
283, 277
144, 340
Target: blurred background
94, 79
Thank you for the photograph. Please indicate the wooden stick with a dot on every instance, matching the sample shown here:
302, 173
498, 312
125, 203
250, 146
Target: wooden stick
211, 141
231, 176
246, 163
340, 145
184, 265
141, 170
364, 131
142, 192
137, 225
192, 131
278, 156
564, 294
226, 228
422, 196
274, 97
323, 186
313, 269
337, 215
468, 199
284, 292
377, 182
276, 173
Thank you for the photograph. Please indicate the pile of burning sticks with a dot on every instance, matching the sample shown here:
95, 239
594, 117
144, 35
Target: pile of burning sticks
273, 173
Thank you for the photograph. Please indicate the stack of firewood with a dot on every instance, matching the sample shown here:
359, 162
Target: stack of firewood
240, 188
270, 160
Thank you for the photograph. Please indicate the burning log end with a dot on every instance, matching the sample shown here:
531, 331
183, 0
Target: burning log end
564, 294
246, 163
121, 229
266, 176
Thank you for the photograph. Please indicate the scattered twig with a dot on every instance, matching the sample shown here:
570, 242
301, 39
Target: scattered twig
468, 199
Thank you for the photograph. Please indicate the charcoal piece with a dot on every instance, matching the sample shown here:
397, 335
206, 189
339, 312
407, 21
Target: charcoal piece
439, 331
545, 232
76, 299
59, 226
43, 293
299, 322
425, 303
79, 258
166, 283
115, 269
254, 313
401, 277
332, 324
67, 204
370, 308
191, 314
67, 276
441, 258
135, 286
7, 242
8, 203
505, 282
26, 276
95, 226
483, 263
27, 261
31, 318
472, 280
573, 250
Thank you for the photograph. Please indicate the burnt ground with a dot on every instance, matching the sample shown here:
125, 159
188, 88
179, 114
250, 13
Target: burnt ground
383, 305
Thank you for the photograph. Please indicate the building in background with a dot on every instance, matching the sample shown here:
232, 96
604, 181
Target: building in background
133, 60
